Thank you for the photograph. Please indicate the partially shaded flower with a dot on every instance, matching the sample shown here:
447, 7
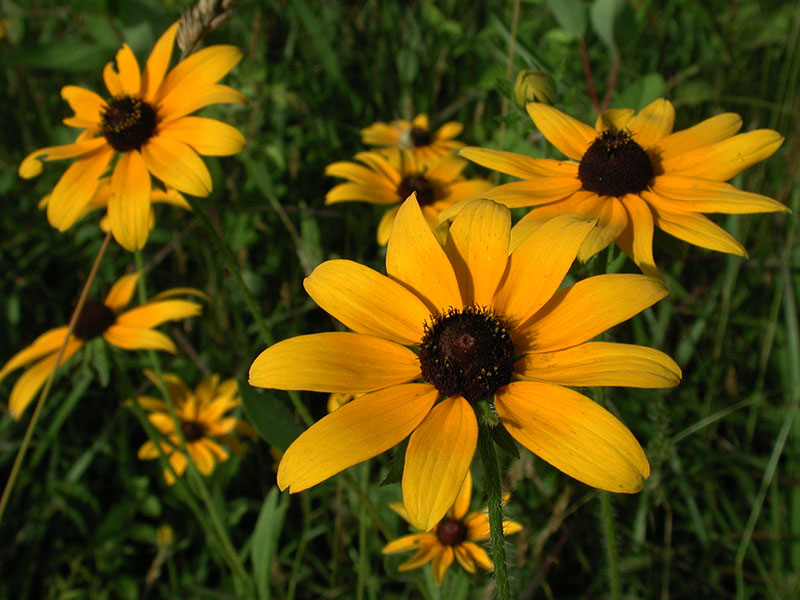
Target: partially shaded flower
389, 181
132, 329
415, 136
144, 121
480, 319
201, 416
632, 174
453, 538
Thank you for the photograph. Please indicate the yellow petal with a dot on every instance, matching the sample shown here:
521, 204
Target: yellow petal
386, 225
136, 338
86, 104
587, 308
415, 259
574, 434
636, 240
653, 123
177, 165
477, 247
601, 363
129, 204
112, 80
334, 362
219, 453
437, 460
181, 105
478, 555
461, 504
357, 192
148, 451
367, 302
705, 133
169, 196
445, 168
725, 159
695, 229
201, 456
361, 175
120, 294
31, 165
208, 137
533, 191
464, 559
178, 462
76, 187
616, 119
359, 430
404, 544
692, 194
158, 62
153, 314
448, 131
163, 422
129, 75
519, 165
569, 135
538, 265
48, 342
430, 549
441, 562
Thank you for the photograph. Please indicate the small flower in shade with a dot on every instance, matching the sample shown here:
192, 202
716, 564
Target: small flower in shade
390, 180
631, 173
143, 121
415, 136
532, 86
130, 330
453, 538
481, 319
201, 415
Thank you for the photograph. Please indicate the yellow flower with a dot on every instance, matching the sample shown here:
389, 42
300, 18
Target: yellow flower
481, 318
532, 86
129, 330
145, 121
416, 136
201, 415
634, 174
389, 181
453, 537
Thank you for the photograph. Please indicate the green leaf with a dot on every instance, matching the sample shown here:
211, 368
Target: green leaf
273, 420
602, 15
570, 14
265, 538
395, 473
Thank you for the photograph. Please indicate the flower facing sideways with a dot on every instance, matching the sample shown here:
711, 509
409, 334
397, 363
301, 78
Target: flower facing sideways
130, 330
480, 319
201, 415
453, 538
415, 136
144, 121
633, 174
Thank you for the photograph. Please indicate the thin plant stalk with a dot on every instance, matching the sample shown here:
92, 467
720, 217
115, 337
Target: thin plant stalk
494, 494
12, 478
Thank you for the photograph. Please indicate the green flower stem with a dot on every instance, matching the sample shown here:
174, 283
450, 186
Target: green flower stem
609, 527
26, 440
491, 475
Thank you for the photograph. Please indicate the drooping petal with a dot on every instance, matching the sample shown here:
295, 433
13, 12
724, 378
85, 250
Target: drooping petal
219, 453
587, 308
136, 338
477, 247
437, 459
153, 314
429, 549
696, 229
694, 194
567, 134
367, 302
129, 75
653, 123
337, 361
414, 255
464, 559
725, 159
412, 541
208, 137
129, 204
574, 434
86, 104
705, 133
461, 504
601, 363
158, 62
177, 165
478, 555
359, 430
147, 451
49, 341
477, 524
201, 456
31, 165
519, 165
386, 225
120, 294
441, 562
636, 240
538, 265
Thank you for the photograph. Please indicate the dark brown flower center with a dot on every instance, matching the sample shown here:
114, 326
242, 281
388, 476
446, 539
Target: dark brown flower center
467, 352
128, 122
426, 192
192, 430
94, 319
615, 165
420, 136
451, 532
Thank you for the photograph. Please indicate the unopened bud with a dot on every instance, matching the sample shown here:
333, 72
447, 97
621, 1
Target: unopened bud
532, 86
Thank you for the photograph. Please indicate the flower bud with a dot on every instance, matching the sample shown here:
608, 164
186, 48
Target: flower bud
532, 86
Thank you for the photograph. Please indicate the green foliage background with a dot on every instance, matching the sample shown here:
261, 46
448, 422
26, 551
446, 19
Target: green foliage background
720, 515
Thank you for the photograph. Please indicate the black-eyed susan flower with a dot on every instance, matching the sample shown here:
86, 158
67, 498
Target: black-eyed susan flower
631, 173
144, 122
481, 319
202, 416
132, 329
415, 136
390, 180
453, 538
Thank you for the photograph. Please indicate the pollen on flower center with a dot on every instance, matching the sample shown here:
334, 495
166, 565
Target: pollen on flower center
128, 122
192, 431
451, 532
94, 319
615, 165
420, 136
467, 352
417, 183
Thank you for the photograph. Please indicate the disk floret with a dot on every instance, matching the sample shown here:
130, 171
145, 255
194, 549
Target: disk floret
94, 319
451, 532
421, 136
426, 192
192, 430
615, 165
467, 352
128, 122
